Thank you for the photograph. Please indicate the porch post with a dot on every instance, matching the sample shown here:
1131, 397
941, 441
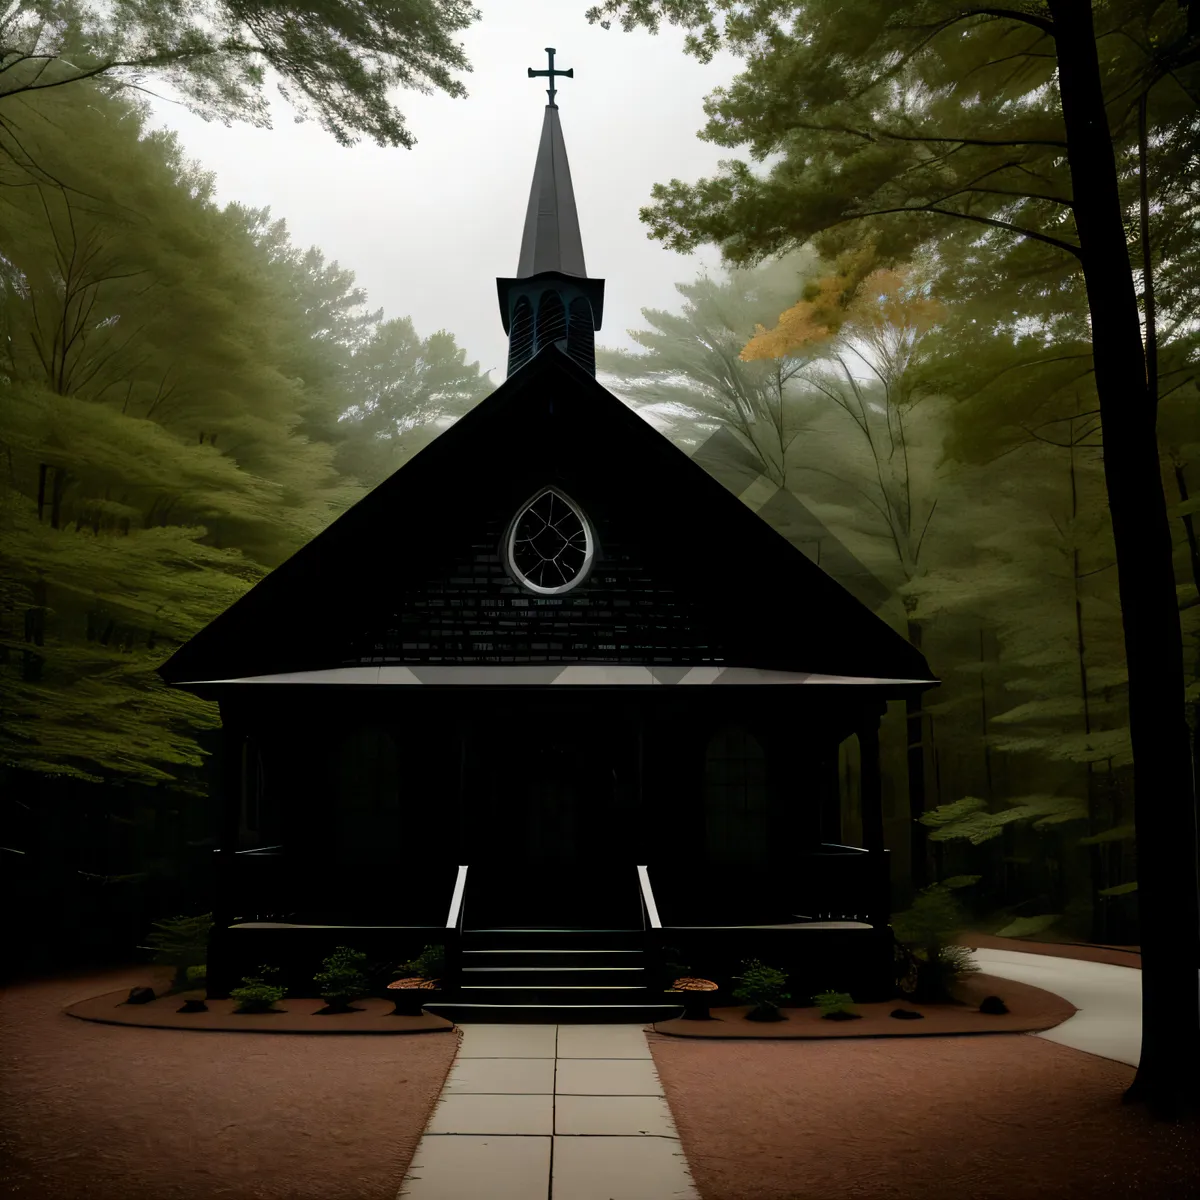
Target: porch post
233, 734
872, 817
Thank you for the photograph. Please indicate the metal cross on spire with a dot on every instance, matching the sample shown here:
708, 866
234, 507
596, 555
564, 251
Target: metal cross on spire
551, 73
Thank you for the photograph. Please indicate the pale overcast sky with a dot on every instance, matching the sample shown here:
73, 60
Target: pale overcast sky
427, 231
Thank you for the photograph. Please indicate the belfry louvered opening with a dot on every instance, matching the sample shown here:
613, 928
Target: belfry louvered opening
553, 312
520, 338
581, 334
551, 319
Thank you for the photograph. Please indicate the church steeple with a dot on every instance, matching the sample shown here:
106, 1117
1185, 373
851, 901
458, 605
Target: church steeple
551, 299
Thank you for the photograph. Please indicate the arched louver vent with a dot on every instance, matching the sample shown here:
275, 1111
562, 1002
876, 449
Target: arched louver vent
581, 335
520, 336
551, 319
549, 546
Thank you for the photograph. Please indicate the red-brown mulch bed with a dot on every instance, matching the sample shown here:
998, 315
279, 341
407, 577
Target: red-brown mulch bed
96, 1112
289, 1015
1030, 1008
955, 1118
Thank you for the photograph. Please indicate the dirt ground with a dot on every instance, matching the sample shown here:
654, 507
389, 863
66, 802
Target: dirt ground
107, 1112
1002, 1117
998, 1117
102, 1112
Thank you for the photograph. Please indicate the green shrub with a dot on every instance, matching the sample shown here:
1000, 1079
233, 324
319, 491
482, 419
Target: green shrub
833, 1002
180, 942
762, 987
429, 964
928, 964
343, 980
258, 995
197, 975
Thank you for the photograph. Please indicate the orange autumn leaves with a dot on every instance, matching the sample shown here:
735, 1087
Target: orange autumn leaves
852, 300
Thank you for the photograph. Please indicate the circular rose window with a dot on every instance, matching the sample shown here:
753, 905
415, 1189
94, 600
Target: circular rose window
550, 545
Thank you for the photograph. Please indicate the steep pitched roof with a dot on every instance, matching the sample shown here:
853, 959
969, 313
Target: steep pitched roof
742, 595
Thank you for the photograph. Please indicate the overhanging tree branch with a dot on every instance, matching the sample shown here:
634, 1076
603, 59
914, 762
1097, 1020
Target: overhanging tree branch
946, 212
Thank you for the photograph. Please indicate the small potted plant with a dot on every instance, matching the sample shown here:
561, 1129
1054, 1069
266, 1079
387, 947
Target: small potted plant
420, 982
695, 996
258, 995
761, 987
342, 981
835, 1006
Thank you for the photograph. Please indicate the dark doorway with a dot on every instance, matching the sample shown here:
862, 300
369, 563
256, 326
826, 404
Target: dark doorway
551, 809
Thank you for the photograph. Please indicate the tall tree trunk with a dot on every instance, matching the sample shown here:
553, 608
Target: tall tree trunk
56, 498
983, 720
918, 833
1095, 825
1194, 558
1168, 1076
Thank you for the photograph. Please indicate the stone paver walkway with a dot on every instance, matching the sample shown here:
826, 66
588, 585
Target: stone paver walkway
551, 1112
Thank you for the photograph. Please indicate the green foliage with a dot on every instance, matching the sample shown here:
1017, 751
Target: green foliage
690, 378
832, 1002
429, 964
967, 821
933, 134
1029, 926
152, 470
1121, 889
343, 979
934, 918
173, 379
197, 974
760, 985
929, 963
405, 389
181, 942
937, 975
258, 995
340, 59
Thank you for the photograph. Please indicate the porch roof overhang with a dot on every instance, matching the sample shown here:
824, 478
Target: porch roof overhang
547, 674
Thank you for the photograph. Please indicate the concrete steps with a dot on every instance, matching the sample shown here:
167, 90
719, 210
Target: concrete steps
554, 976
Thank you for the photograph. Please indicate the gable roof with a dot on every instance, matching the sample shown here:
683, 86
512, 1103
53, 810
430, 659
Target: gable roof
743, 596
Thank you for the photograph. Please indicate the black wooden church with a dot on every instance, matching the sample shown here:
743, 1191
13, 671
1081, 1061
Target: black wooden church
550, 687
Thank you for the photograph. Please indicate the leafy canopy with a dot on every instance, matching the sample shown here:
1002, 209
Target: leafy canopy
336, 59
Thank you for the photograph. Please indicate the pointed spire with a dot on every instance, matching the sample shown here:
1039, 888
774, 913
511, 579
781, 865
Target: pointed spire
551, 241
551, 301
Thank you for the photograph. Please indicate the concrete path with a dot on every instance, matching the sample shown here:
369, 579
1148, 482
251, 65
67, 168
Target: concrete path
551, 1112
576, 1112
1109, 999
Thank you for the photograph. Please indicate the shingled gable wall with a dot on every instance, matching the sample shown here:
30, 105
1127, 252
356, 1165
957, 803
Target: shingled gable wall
404, 574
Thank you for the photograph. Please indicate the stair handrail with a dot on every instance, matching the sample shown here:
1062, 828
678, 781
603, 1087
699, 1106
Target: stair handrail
456, 900
648, 899
454, 920
651, 933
